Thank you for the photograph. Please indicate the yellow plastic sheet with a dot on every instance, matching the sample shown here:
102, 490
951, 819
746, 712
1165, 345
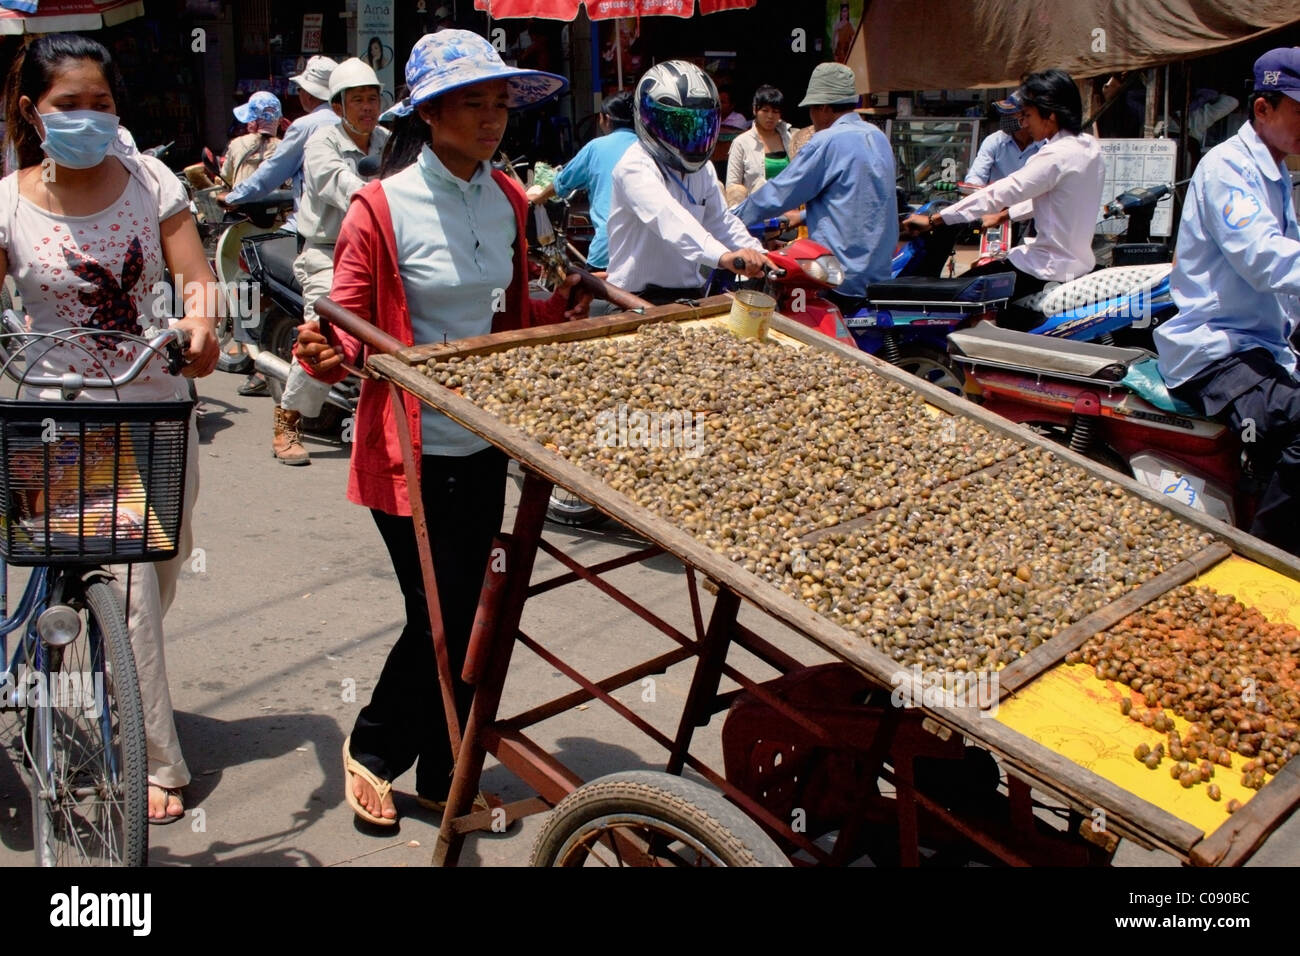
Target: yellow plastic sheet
1072, 712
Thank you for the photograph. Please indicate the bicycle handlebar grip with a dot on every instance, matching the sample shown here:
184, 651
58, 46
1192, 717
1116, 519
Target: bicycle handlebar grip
738, 263
176, 350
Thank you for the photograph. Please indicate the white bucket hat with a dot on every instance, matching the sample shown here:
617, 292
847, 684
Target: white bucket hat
315, 77
445, 61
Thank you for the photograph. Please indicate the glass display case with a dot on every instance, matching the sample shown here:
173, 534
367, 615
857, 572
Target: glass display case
932, 154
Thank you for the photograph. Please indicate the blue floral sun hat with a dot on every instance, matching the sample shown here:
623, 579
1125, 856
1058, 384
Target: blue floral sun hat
447, 60
262, 108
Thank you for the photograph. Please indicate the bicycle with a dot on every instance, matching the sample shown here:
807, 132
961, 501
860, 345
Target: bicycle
83, 485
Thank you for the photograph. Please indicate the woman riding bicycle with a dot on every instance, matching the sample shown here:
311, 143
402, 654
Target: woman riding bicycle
86, 230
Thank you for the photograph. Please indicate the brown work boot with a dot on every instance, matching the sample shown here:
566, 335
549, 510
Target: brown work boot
287, 443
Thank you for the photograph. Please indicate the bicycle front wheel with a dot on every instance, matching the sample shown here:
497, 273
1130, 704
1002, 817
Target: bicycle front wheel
90, 798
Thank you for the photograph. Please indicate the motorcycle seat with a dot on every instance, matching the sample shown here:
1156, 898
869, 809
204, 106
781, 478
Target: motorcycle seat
277, 255
993, 287
988, 344
1083, 294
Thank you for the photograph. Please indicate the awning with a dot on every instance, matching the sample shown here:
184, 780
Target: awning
65, 16
993, 43
604, 9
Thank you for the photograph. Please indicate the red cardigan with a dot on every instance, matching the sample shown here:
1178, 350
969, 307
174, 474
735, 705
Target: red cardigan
367, 282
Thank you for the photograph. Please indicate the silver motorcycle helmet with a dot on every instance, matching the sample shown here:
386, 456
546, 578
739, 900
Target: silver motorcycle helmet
676, 115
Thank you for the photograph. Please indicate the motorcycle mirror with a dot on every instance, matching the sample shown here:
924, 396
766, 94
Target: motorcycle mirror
212, 167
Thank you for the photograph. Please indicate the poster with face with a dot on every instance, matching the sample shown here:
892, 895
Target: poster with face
841, 25
374, 34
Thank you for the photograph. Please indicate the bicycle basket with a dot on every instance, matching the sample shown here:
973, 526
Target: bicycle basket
91, 482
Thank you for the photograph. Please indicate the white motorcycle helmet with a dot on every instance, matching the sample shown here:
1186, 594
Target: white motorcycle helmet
676, 114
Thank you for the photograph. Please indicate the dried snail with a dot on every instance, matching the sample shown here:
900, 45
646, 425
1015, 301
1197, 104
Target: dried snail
968, 548
1221, 666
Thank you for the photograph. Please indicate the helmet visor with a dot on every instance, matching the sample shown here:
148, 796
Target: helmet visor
692, 131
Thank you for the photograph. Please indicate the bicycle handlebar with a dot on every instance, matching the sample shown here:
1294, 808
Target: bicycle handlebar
170, 343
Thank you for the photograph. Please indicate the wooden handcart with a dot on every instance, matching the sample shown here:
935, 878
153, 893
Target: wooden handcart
819, 750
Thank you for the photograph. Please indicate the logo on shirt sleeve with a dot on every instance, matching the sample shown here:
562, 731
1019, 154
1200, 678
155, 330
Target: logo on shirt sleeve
1240, 209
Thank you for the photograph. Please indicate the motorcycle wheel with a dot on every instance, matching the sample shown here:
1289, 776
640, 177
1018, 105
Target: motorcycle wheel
233, 358
933, 366
280, 333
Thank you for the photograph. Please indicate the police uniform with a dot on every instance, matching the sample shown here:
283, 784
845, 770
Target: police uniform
1235, 281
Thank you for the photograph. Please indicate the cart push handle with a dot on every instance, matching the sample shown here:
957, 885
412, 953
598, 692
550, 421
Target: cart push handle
374, 338
611, 293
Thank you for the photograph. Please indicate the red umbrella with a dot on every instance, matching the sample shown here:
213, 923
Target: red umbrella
66, 16
605, 10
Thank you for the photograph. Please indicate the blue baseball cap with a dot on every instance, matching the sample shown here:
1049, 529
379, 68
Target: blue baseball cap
262, 108
1278, 71
1012, 104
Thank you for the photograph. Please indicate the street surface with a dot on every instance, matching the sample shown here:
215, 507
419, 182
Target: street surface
293, 598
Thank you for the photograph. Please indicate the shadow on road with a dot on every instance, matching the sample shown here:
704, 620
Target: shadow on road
218, 745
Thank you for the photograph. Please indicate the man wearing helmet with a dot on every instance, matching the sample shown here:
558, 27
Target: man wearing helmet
330, 177
667, 216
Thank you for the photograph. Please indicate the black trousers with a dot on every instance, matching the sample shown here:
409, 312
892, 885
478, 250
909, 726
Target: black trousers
1259, 398
404, 723
1015, 317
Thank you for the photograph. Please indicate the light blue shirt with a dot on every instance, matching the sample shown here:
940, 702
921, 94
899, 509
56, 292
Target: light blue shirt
845, 176
455, 249
593, 170
286, 162
998, 156
1236, 271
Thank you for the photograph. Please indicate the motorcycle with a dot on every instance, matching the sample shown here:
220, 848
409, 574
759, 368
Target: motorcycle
908, 319
268, 259
1110, 404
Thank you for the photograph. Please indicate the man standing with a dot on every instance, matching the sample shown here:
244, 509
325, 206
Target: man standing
667, 215
593, 170
845, 177
1235, 280
330, 178
286, 163
1006, 149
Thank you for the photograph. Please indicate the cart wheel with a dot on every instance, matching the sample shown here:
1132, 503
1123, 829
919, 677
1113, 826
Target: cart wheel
567, 508
646, 818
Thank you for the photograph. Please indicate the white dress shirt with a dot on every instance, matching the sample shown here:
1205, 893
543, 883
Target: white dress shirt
664, 228
1064, 180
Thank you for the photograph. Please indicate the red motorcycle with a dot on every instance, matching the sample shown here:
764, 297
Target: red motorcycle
804, 271
1110, 404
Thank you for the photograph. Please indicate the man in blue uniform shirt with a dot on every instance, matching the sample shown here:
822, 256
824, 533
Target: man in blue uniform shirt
1235, 280
1005, 150
845, 177
593, 170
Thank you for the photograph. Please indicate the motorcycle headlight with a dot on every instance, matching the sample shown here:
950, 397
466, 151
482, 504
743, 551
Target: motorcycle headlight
824, 269
834, 271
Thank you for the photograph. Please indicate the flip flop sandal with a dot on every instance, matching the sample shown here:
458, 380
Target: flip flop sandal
170, 818
382, 787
